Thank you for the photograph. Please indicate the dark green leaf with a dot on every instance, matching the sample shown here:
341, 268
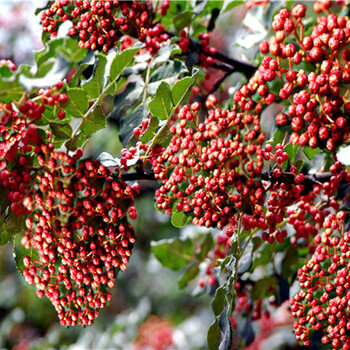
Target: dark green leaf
127, 98
96, 120
219, 302
168, 72
165, 53
61, 131
310, 152
161, 106
78, 102
173, 253
76, 142
262, 286
180, 88
180, 219
214, 336
89, 60
5, 233
278, 137
151, 130
206, 244
94, 85
190, 273
121, 61
19, 252
299, 164
245, 261
226, 329
182, 20
131, 121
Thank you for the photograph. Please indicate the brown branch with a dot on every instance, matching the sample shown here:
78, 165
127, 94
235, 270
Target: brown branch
139, 175
239, 66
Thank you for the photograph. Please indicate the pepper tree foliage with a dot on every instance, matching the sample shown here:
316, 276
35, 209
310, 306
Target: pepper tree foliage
267, 168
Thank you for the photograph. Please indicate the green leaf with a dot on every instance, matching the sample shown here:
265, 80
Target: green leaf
10, 89
151, 130
190, 273
182, 20
311, 152
5, 233
127, 98
219, 302
57, 72
94, 85
165, 53
89, 60
262, 286
245, 260
132, 120
168, 72
206, 245
173, 253
62, 132
70, 50
226, 329
214, 336
278, 137
121, 61
75, 142
48, 51
292, 151
229, 5
78, 102
181, 87
161, 106
19, 252
299, 164
180, 219
96, 120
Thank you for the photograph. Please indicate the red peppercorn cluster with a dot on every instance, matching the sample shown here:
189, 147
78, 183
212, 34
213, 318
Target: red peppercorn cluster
319, 112
78, 225
20, 140
201, 169
322, 303
99, 24
205, 50
312, 208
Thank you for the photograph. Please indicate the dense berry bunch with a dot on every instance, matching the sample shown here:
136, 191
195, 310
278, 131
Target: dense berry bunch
20, 139
319, 110
322, 303
209, 169
99, 24
78, 226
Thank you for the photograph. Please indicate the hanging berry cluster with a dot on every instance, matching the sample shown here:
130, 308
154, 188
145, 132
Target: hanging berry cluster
78, 225
76, 212
322, 303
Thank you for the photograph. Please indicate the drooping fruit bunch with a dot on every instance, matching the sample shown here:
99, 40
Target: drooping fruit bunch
78, 225
323, 302
100, 24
